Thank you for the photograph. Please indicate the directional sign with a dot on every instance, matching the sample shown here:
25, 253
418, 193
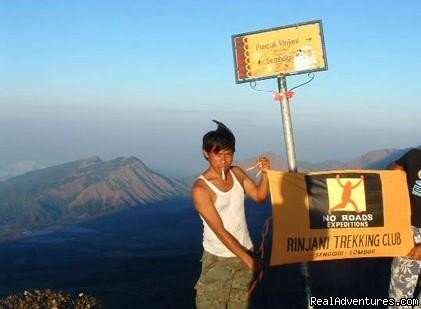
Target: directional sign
287, 50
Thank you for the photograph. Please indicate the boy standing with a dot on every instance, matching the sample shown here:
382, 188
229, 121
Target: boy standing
218, 196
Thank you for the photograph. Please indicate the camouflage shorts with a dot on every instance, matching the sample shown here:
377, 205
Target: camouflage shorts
223, 283
404, 275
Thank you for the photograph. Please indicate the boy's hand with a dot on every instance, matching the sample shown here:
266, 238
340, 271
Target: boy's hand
263, 163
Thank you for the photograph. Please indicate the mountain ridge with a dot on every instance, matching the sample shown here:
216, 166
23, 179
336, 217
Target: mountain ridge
83, 189
373, 159
79, 190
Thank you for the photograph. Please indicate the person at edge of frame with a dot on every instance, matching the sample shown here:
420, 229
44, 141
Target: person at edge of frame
405, 270
218, 194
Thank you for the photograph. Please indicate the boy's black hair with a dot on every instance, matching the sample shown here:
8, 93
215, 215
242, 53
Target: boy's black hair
219, 139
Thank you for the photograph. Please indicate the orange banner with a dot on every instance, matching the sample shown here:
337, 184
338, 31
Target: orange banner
338, 215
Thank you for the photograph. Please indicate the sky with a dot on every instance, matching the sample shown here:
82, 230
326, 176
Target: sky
80, 78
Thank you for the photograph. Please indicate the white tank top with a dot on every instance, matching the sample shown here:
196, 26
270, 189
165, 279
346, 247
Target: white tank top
230, 207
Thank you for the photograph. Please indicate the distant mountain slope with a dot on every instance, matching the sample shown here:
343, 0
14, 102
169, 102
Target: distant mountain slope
319, 166
375, 159
280, 163
379, 159
78, 190
277, 161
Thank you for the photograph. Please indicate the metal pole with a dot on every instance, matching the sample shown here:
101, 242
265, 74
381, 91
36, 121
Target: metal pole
292, 164
286, 121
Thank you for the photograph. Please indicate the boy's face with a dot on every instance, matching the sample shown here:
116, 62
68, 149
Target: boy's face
221, 159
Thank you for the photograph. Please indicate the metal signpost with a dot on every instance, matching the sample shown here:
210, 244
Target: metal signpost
279, 52
287, 125
292, 165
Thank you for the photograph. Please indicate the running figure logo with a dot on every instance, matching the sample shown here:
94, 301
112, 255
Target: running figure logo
346, 194
345, 200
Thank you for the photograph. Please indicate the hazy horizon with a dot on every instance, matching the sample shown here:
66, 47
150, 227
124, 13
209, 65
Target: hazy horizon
141, 78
